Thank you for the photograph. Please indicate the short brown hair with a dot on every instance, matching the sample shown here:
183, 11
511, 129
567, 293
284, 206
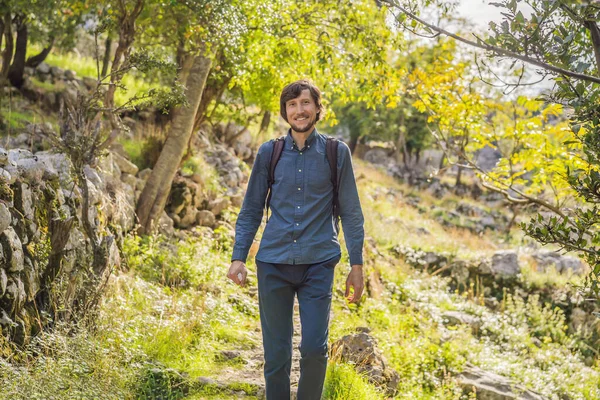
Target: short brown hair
294, 90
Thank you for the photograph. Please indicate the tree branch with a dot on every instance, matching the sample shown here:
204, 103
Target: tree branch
495, 49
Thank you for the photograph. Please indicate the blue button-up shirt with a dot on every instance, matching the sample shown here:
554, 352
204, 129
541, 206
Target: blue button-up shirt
301, 228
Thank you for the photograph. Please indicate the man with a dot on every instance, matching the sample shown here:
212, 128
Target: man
299, 248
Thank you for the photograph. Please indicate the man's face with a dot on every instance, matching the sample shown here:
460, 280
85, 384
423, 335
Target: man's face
302, 112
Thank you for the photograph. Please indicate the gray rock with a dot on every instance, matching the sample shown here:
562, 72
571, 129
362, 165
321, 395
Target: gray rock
459, 271
377, 156
89, 83
229, 354
361, 350
487, 158
70, 95
28, 71
181, 197
581, 321
454, 318
33, 171
5, 217
125, 165
13, 250
30, 279
166, 224
3, 157
57, 72
109, 166
15, 292
505, 263
23, 200
93, 176
562, 264
5, 320
490, 386
217, 206
488, 222
432, 259
144, 174
206, 218
15, 154
237, 200
7, 176
189, 218
43, 68
3, 281
70, 75
129, 179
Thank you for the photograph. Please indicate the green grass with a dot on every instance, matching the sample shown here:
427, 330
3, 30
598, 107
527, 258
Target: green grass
134, 83
163, 322
344, 383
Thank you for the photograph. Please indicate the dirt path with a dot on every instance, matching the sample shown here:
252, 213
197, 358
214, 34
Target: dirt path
250, 374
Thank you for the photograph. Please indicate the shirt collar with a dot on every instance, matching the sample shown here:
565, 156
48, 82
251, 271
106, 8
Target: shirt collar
289, 139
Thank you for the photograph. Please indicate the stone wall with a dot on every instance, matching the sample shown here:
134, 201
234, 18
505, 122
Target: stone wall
45, 256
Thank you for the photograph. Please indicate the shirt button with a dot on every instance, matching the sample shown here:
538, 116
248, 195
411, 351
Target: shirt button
297, 224
299, 170
294, 240
298, 206
300, 153
298, 188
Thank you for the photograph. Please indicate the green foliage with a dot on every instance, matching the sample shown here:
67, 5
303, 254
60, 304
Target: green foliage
565, 34
344, 383
158, 260
162, 383
68, 363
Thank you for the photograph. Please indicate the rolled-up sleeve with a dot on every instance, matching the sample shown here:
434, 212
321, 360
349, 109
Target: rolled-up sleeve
251, 213
350, 209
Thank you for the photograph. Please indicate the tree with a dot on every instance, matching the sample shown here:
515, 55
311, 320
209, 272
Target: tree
563, 39
154, 197
41, 22
256, 48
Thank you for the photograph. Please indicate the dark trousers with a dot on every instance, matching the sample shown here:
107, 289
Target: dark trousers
277, 286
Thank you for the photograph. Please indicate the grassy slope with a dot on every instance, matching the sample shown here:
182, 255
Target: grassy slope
163, 323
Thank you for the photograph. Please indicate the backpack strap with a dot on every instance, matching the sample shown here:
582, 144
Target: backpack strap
275, 156
331, 152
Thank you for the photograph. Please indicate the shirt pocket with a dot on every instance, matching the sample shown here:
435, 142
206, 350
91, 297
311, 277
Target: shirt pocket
319, 173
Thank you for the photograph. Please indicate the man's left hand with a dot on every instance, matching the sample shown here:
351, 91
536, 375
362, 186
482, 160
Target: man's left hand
356, 281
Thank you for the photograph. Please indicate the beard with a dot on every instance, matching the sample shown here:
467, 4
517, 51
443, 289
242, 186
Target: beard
310, 124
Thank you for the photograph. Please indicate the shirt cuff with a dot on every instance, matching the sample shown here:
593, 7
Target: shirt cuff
356, 259
239, 255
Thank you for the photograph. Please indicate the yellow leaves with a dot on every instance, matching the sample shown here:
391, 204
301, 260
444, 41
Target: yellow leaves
552, 110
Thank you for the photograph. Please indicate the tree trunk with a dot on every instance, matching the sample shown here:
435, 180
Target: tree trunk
210, 93
106, 59
458, 176
36, 60
126, 38
515, 210
185, 63
7, 54
154, 197
1, 29
266, 121
595, 34
17, 68
353, 143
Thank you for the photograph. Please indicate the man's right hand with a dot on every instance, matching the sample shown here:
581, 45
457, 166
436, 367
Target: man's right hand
237, 272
